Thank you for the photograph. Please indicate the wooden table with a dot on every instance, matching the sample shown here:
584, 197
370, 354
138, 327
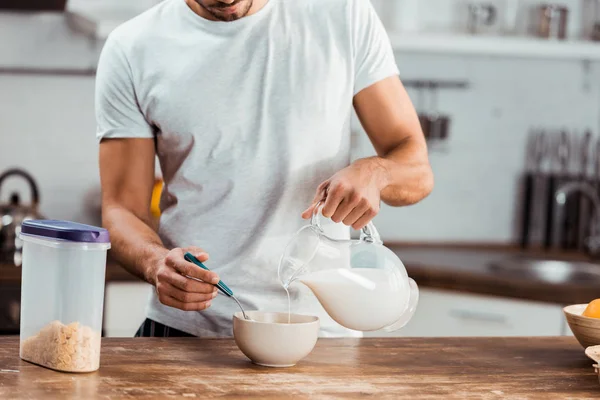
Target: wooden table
457, 368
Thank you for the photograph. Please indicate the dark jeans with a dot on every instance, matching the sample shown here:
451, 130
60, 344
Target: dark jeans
150, 328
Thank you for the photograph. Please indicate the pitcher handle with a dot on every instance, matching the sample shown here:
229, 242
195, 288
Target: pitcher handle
367, 234
413, 301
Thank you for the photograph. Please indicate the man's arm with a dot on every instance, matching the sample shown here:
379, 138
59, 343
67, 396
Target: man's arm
399, 175
391, 122
127, 177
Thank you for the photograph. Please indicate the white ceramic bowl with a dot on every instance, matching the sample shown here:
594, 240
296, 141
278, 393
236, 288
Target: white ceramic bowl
268, 339
585, 329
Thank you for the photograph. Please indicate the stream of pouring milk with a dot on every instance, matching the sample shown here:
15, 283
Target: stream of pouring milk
362, 299
287, 291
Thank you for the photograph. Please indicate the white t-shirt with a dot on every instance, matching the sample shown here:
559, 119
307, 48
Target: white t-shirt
249, 117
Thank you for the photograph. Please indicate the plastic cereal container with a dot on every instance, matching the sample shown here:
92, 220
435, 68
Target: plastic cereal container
62, 294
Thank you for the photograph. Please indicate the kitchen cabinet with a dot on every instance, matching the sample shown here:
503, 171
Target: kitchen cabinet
125, 308
447, 314
499, 46
10, 307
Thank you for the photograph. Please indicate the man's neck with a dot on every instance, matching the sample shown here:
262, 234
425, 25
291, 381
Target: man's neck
257, 5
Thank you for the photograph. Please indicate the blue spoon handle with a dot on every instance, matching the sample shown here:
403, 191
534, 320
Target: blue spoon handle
221, 286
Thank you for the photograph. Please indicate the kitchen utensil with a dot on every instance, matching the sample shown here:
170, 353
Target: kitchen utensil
586, 148
361, 283
423, 117
221, 286
536, 153
585, 329
528, 196
564, 221
550, 21
595, 181
435, 126
583, 205
12, 215
440, 125
560, 156
269, 340
597, 163
481, 15
564, 152
62, 297
595, 35
572, 236
425, 125
550, 218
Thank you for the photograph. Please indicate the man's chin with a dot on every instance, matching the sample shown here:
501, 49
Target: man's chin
232, 13
226, 17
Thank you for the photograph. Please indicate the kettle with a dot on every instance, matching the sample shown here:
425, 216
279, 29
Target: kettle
361, 284
12, 215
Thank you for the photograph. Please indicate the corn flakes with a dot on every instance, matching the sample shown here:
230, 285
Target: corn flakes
70, 348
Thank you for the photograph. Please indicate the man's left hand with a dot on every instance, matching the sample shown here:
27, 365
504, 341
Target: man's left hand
352, 195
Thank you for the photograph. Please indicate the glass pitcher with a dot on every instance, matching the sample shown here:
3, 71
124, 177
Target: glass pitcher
361, 283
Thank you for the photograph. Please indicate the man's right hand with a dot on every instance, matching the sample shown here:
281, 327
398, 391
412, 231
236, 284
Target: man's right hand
183, 285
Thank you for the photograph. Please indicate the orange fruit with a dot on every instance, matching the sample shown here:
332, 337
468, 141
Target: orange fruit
593, 309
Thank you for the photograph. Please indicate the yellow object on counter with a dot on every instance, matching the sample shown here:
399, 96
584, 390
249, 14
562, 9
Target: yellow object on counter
155, 202
593, 309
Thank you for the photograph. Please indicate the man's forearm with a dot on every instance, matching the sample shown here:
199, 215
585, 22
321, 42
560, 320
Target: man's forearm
134, 243
403, 174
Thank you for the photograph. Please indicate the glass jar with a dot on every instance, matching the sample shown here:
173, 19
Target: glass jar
62, 294
361, 284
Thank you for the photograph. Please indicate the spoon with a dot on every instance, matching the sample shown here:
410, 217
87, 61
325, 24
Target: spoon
221, 286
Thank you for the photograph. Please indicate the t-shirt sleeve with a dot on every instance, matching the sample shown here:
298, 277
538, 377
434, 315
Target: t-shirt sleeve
118, 114
373, 54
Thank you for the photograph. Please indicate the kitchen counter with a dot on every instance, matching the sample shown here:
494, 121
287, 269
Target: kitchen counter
467, 269
463, 268
114, 273
460, 368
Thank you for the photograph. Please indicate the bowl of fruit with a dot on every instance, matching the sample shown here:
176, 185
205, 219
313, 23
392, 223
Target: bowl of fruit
584, 321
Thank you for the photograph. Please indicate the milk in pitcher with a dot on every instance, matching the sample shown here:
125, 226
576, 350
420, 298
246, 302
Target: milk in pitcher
362, 299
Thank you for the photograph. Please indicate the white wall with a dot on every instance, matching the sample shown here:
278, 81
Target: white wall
477, 174
477, 196
47, 127
450, 15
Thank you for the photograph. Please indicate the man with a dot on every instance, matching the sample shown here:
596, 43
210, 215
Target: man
247, 104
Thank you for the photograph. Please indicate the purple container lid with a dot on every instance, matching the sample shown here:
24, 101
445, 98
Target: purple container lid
65, 230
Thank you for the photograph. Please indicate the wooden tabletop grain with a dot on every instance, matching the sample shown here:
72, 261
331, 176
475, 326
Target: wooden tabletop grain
404, 368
